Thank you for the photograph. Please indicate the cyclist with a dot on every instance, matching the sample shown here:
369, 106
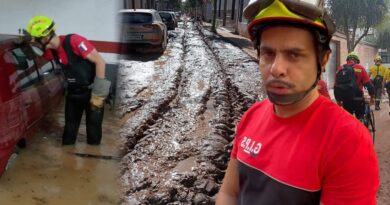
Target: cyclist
377, 74
84, 70
297, 147
323, 88
355, 104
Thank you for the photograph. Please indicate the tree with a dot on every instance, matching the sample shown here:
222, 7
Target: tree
176, 5
355, 18
213, 27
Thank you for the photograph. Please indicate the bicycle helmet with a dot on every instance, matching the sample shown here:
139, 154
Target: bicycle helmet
353, 56
40, 26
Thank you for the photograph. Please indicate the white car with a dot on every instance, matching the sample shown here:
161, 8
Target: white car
143, 27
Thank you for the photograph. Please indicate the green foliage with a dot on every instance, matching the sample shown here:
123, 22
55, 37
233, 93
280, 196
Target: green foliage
383, 39
355, 18
177, 5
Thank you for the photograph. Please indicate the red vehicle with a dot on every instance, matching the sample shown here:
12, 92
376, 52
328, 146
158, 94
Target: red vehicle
27, 92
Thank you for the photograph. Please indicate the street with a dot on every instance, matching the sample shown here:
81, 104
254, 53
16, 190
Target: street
180, 111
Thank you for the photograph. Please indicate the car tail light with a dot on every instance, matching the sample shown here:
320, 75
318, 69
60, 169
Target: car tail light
152, 26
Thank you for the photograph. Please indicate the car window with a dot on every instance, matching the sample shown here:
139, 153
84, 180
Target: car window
45, 69
157, 16
166, 15
137, 18
25, 69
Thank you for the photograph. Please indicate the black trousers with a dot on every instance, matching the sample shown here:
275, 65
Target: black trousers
378, 90
355, 106
76, 103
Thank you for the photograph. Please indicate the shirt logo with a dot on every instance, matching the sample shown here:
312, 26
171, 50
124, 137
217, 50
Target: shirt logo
250, 146
82, 47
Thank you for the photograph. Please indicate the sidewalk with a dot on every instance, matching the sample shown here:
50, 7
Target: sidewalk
240, 41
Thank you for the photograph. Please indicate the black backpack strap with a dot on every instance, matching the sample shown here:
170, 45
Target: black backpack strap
68, 49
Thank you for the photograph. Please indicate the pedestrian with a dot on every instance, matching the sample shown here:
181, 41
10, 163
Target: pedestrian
323, 88
377, 74
297, 147
84, 70
348, 88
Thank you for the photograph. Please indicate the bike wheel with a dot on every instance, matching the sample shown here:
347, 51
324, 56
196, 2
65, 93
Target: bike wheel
371, 122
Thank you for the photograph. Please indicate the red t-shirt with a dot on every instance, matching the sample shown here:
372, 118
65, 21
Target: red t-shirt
80, 46
320, 154
361, 74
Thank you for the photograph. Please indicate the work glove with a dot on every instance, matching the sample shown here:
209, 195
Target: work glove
96, 102
100, 91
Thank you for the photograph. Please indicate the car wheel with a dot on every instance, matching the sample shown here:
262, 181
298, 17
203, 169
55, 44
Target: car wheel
7, 156
163, 44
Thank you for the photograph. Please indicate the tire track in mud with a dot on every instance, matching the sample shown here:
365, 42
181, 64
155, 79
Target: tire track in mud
161, 88
169, 143
178, 154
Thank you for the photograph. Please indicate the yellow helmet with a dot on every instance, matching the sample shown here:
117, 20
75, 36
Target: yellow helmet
40, 26
306, 12
353, 56
378, 58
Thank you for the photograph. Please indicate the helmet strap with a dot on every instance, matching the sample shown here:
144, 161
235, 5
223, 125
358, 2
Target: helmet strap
51, 36
285, 100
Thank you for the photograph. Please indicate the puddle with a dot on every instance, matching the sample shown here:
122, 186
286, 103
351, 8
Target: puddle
48, 173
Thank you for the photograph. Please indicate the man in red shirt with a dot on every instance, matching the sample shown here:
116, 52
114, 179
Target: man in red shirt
323, 88
356, 105
84, 71
297, 147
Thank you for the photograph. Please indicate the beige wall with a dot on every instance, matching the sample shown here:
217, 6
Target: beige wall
365, 51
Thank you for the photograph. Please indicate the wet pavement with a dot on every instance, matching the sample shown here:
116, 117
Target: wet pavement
47, 173
382, 146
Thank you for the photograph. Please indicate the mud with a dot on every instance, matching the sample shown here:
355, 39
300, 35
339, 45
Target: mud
178, 135
46, 173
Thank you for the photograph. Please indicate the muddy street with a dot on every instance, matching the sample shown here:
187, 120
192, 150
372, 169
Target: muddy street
47, 173
179, 117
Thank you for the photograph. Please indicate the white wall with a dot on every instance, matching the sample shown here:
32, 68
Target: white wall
93, 19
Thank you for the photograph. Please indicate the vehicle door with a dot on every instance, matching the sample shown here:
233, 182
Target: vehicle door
12, 112
51, 81
27, 80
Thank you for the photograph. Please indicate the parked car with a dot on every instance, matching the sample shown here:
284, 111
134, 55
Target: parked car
143, 27
168, 19
28, 91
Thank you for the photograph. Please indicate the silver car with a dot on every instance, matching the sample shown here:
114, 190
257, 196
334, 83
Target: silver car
143, 27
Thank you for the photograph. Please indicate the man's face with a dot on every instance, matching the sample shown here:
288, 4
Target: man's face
377, 62
287, 61
42, 41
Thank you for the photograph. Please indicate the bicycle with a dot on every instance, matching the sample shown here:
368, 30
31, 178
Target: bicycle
369, 119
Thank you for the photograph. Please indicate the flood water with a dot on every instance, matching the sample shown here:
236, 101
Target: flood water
48, 173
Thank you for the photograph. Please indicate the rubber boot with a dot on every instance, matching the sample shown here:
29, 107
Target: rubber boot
377, 105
